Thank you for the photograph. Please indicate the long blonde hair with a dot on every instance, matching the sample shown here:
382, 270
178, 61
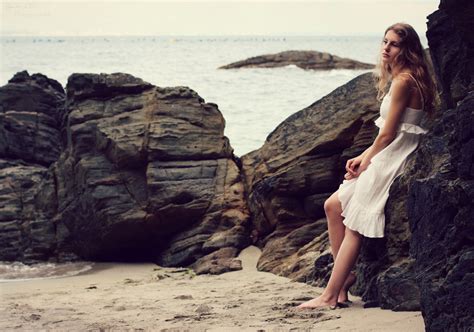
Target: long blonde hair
411, 56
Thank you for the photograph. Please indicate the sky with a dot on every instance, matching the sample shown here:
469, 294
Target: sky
197, 17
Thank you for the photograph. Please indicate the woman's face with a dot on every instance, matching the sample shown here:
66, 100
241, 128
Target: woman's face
390, 47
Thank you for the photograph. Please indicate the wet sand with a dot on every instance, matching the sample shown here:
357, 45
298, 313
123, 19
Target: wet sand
116, 296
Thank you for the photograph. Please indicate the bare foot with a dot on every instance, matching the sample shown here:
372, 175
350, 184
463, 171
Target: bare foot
344, 293
318, 303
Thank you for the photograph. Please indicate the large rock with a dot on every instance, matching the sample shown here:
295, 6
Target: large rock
298, 167
145, 173
31, 112
441, 202
313, 60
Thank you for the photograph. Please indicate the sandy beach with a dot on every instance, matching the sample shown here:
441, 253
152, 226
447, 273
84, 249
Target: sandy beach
116, 296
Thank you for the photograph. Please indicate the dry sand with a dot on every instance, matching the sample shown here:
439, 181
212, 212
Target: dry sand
145, 296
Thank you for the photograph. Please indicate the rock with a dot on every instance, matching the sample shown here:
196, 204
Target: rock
441, 197
132, 172
298, 167
218, 262
448, 30
292, 255
147, 173
398, 289
303, 59
30, 130
80, 86
31, 114
203, 309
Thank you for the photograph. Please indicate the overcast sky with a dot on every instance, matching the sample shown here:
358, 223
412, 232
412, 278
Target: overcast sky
195, 17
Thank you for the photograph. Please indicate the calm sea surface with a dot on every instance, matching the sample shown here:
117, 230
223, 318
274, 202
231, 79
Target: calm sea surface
252, 101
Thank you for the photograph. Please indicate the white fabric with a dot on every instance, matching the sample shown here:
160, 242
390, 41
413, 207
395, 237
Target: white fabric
363, 199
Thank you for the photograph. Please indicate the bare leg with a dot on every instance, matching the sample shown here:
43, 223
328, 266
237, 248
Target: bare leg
336, 230
345, 260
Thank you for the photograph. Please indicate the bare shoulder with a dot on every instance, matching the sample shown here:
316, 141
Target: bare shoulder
401, 84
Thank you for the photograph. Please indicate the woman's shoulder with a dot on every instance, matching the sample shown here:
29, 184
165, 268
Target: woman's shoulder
401, 83
404, 77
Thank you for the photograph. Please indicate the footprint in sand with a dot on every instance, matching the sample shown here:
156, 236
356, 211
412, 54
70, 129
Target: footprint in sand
128, 281
32, 317
184, 297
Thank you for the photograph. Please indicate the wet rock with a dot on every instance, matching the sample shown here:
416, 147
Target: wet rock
313, 60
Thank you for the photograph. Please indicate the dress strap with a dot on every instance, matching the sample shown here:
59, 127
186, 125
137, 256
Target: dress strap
419, 88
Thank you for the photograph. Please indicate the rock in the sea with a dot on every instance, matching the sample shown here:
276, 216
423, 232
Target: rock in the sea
32, 110
313, 60
298, 167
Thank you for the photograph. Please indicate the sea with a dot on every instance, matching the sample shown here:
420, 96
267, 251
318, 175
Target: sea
253, 101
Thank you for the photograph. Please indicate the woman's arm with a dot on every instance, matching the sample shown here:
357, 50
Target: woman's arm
399, 101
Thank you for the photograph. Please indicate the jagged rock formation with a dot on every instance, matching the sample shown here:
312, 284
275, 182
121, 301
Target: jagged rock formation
441, 202
303, 59
139, 173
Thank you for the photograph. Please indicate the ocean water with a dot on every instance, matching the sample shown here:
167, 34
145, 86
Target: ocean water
252, 101
16, 271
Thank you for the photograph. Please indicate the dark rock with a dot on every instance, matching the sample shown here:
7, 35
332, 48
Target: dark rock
450, 41
130, 172
83, 86
440, 210
397, 288
440, 199
31, 111
147, 173
303, 59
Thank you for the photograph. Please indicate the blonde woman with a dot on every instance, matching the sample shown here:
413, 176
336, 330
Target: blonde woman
356, 209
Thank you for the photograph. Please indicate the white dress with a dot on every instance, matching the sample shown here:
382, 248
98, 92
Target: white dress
363, 198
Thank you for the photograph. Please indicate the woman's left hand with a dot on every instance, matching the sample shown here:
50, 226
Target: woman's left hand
351, 174
348, 176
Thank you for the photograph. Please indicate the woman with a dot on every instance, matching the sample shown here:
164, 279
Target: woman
356, 209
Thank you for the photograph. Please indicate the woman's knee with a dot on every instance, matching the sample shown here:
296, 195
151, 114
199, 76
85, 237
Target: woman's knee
332, 205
